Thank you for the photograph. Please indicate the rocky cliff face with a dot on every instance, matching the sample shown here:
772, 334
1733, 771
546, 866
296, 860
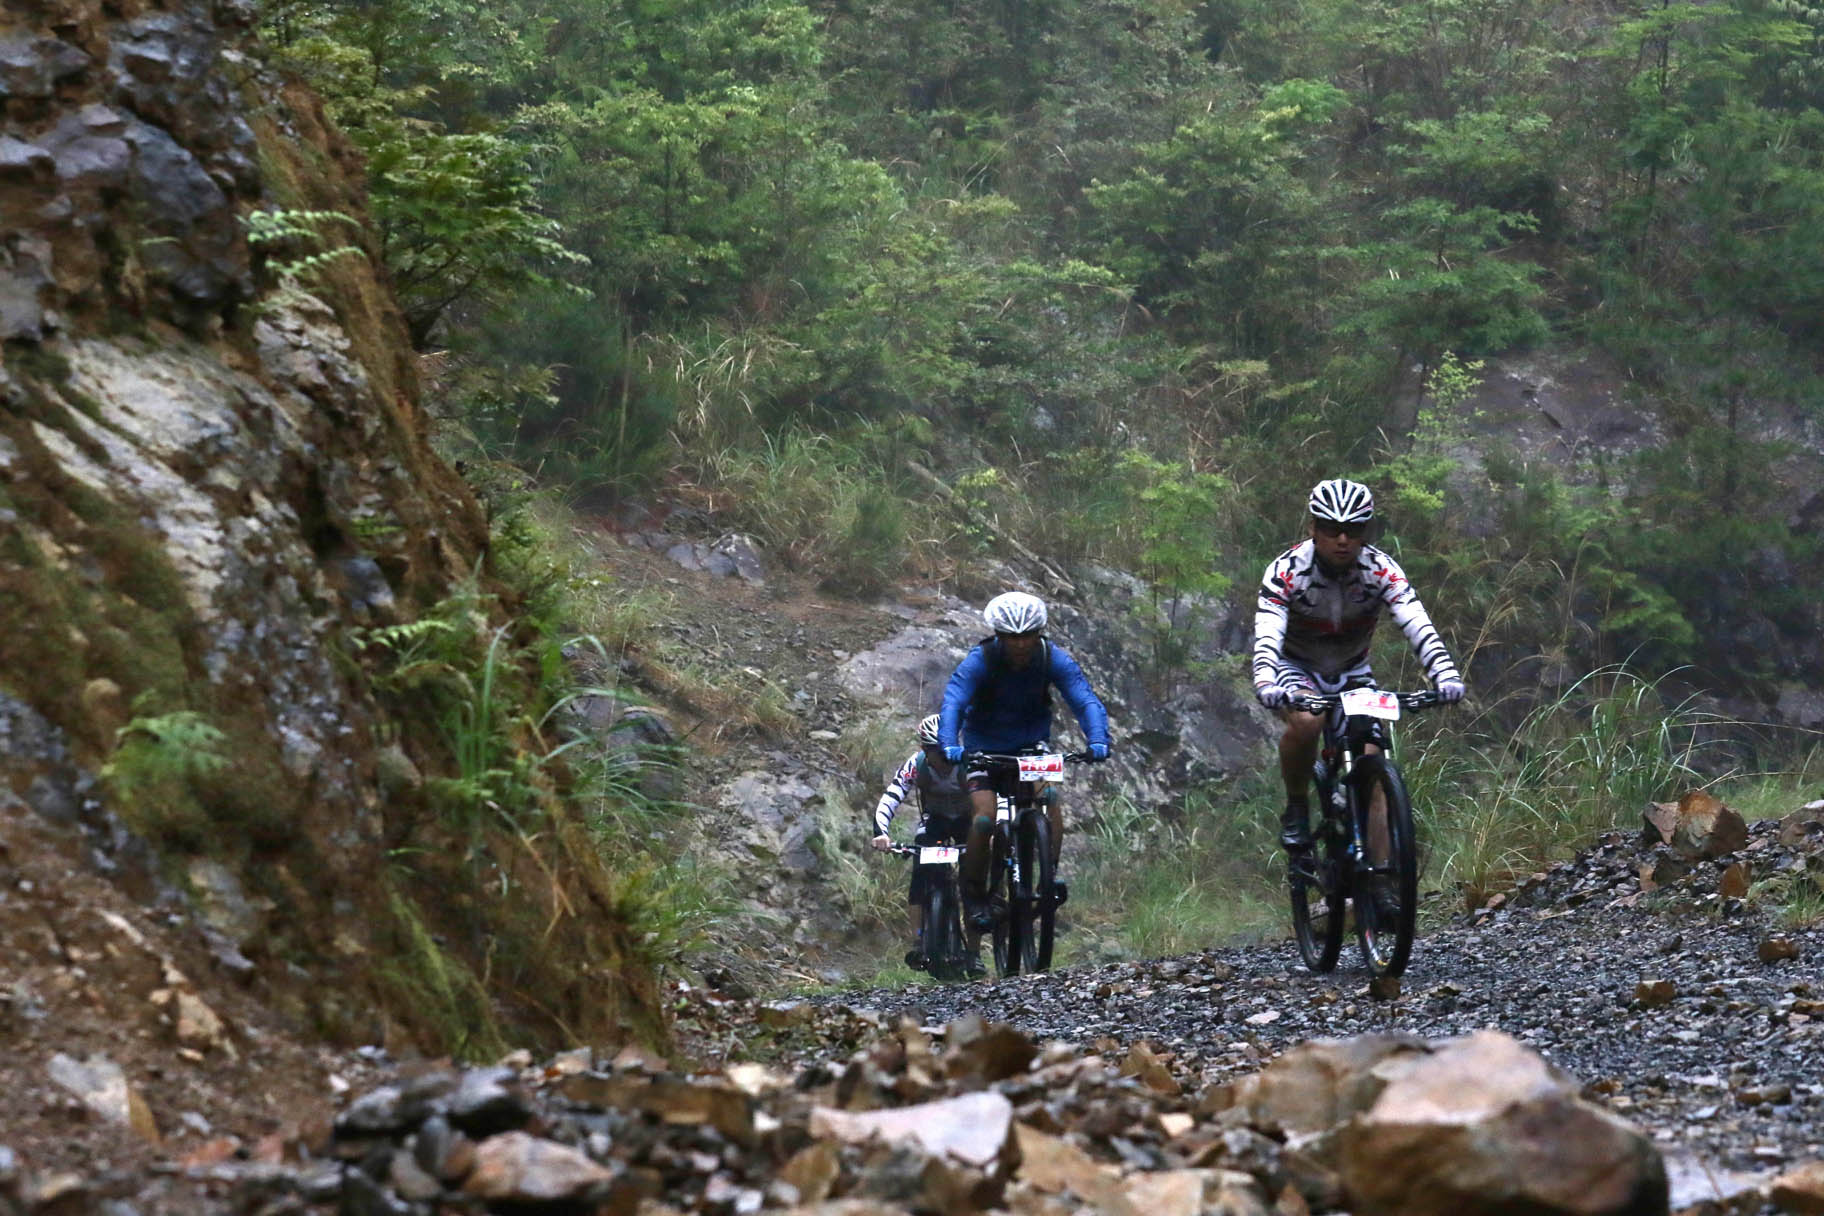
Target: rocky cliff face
206, 481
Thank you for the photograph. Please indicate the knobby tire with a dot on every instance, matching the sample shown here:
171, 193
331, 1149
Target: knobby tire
1032, 919
1000, 904
941, 951
1387, 947
1047, 917
1316, 884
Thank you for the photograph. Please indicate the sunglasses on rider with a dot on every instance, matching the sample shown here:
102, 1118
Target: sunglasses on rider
1355, 531
1019, 637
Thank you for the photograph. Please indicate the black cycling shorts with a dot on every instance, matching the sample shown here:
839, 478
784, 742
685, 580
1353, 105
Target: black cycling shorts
1006, 783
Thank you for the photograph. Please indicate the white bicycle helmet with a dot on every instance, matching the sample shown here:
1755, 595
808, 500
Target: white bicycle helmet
1015, 612
1342, 502
927, 730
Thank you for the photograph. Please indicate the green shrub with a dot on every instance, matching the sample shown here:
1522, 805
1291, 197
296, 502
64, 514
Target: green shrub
554, 386
869, 886
158, 774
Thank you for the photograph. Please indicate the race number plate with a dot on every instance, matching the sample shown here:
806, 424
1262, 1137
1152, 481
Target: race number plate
944, 856
1372, 703
1042, 768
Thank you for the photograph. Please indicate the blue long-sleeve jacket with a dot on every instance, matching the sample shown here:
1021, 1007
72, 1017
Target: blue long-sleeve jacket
1015, 712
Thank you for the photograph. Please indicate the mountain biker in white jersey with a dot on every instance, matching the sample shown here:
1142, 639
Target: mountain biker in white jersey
944, 811
1319, 602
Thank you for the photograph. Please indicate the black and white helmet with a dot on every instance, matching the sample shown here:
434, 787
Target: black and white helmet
927, 730
1015, 612
1342, 502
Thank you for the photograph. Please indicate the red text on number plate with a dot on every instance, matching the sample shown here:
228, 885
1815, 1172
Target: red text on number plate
1373, 703
1042, 768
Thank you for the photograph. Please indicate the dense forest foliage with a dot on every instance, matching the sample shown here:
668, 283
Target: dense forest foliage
1130, 275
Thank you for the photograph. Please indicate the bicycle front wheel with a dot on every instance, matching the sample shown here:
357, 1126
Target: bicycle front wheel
1317, 881
941, 929
1033, 916
1387, 891
1000, 906
1046, 919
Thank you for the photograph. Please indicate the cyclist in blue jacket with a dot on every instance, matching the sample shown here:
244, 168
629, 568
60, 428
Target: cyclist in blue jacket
999, 700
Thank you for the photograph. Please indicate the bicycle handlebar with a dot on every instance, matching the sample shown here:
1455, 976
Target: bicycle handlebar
1008, 759
1321, 703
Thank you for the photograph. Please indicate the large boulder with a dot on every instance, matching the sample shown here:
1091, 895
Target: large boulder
1484, 1126
769, 819
907, 672
1697, 825
1320, 1084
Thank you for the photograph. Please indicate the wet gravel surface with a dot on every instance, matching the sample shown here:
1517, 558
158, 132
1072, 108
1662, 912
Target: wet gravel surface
1659, 1001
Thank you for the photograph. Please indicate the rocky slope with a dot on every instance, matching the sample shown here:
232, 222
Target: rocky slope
211, 482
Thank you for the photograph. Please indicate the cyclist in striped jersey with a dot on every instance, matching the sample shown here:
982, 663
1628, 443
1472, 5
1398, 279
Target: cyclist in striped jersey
1319, 603
944, 818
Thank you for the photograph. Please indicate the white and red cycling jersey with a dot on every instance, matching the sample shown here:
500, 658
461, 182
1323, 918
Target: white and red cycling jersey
1312, 622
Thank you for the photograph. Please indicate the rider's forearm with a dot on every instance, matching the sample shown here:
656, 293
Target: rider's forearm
883, 815
1424, 639
1269, 643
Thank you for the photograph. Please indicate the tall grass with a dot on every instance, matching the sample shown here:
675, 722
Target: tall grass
870, 886
826, 505
1143, 886
874, 748
1494, 805
1771, 795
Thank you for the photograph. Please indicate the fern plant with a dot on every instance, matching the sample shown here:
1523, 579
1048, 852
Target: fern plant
282, 227
158, 752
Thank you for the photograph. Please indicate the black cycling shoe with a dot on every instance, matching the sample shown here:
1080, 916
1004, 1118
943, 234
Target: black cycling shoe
1295, 827
1385, 899
915, 959
1060, 892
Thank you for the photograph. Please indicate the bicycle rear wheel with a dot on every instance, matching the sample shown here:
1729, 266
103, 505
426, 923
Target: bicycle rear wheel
1317, 882
1385, 925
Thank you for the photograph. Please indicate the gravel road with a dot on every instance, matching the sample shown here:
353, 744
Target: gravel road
1727, 1062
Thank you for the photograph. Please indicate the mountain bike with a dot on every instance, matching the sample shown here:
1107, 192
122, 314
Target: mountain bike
1338, 867
946, 953
1023, 892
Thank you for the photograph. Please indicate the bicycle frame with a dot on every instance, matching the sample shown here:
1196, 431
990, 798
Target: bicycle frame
1341, 864
1023, 923
1353, 713
1011, 809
